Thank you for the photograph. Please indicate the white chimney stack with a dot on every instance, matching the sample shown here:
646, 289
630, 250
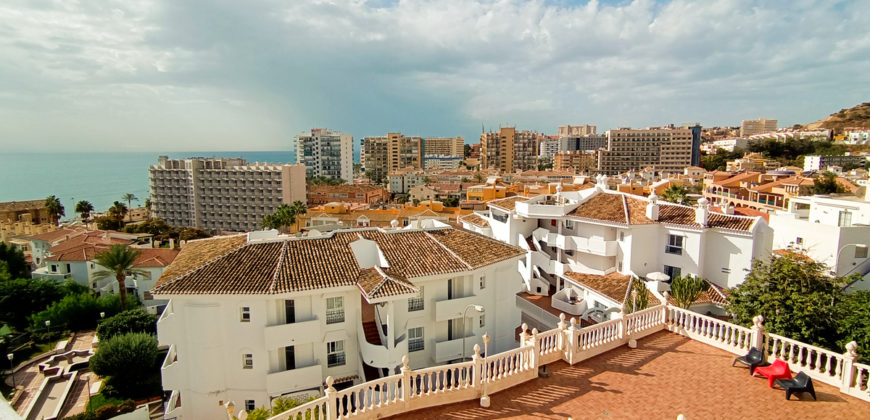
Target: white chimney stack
652, 209
702, 212
729, 209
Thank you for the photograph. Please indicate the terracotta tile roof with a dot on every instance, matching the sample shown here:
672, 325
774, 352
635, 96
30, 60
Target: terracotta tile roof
22, 205
796, 255
57, 234
602, 206
343, 188
475, 220
684, 215
613, 285
155, 257
92, 238
229, 265
80, 252
509, 203
745, 211
736, 179
375, 283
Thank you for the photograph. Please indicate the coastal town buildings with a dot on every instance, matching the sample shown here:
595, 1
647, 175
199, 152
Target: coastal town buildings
593, 240
388, 154
857, 135
547, 148
222, 194
32, 211
334, 216
821, 163
730, 145
257, 316
359, 194
577, 161
663, 148
509, 150
441, 162
577, 130
444, 146
582, 143
326, 153
751, 162
759, 126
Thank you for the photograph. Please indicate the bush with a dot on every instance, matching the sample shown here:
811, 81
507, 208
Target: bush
136, 320
129, 359
107, 411
79, 312
127, 406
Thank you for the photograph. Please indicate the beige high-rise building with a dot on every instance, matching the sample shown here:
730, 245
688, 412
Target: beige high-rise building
222, 194
759, 126
578, 161
509, 150
664, 149
385, 155
577, 130
444, 146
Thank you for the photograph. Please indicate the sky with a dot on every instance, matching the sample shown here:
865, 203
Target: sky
151, 75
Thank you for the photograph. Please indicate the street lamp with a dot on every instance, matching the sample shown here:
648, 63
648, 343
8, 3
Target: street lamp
11, 356
479, 309
837, 261
48, 325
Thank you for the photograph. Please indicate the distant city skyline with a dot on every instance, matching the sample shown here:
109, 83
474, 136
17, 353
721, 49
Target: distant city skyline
165, 76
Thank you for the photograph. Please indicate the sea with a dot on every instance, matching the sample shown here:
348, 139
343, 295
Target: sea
101, 178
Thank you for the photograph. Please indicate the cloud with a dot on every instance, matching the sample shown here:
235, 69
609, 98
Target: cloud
239, 75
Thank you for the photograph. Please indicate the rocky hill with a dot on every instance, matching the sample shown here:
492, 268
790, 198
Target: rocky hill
857, 116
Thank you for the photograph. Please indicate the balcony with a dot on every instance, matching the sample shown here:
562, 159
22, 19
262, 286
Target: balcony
173, 406
168, 330
285, 381
592, 245
170, 372
45, 273
452, 308
544, 207
292, 334
380, 356
452, 349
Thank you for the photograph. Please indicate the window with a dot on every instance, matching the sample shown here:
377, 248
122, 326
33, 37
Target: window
799, 240
290, 357
246, 314
621, 236
289, 311
482, 282
247, 361
482, 320
415, 339
675, 245
250, 405
861, 251
672, 272
334, 310
416, 303
569, 224
53, 268
335, 353
845, 219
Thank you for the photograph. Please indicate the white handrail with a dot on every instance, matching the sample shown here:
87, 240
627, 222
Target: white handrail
315, 409
818, 363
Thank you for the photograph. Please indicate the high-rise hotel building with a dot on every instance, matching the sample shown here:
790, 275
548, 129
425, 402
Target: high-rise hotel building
759, 126
386, 155
662, 148
222, 194
509, 150
326, 153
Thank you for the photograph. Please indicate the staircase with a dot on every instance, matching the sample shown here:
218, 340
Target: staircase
371, 331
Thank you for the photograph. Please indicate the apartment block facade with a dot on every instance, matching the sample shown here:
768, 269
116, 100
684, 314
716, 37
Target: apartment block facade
326, 153
444, 146
222, 194
509, 150
395, 151
258, 316
578, 161
759, 126
664, 149
821, 163
585, 142
577, 130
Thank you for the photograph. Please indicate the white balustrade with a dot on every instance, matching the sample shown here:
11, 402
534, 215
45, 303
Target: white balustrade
820, 364
368, 396
644, 322
315, 409
440, 379
715, 332
858, 383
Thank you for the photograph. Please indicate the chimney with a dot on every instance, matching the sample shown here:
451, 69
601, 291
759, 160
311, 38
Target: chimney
729, 209
171, 243
867, 193
652, 209
702, 212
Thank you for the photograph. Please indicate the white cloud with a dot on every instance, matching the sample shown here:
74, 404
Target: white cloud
427, 67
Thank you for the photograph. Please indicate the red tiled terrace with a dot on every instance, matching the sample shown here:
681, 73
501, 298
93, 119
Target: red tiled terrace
666, 375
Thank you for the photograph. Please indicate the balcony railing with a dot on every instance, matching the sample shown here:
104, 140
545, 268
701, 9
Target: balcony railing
303, 377
292, 334
452, 308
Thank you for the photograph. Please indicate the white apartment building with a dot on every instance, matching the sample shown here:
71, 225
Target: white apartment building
591, 241
326, 153
820, 163
833, 230
257, 316
857, 136
727, 144
753, 127
402, 181
441, 162
222, 194
548, 148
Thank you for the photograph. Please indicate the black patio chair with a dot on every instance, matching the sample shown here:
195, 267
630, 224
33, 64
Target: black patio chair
753, 359
801, 383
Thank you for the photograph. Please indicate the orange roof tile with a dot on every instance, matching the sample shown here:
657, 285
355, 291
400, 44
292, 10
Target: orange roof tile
509, 203
475, 220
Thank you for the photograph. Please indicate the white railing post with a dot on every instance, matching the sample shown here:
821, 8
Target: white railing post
562, 326
571, 341
758, 333
406, 382
847, 371
483, 366
331, 406
536, 358
524, 335
665, 308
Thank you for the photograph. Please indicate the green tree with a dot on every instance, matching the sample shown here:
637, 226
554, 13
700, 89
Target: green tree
78, 312
466, 150
119, 261
19, 298
685, 290
55, 209
118, 211
478, 176
639, 298
129, 198
284, 216
16, 265
84, 208
676, 194
854, 322
796, 298
128, 359
108, 223
827, 184
136, 320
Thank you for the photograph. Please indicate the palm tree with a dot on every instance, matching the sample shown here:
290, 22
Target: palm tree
129, 197
148, 207
119, 261
676, 194
84, 208
55, 209
118, 210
